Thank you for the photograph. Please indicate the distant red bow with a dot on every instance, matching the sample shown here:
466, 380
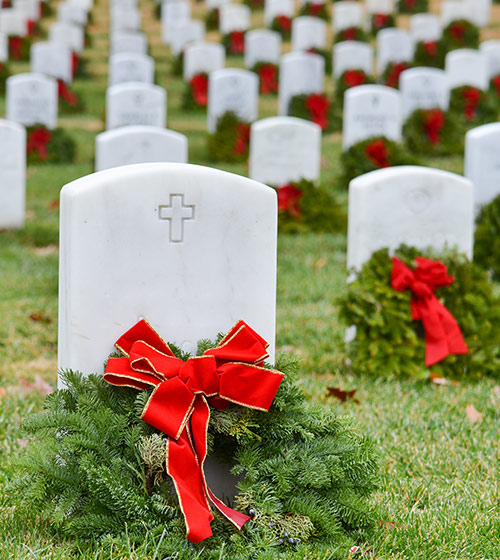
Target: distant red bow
318, 104
38, 140
199, 89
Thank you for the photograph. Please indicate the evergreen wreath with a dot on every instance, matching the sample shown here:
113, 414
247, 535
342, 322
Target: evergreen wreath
196, 92
157, 10
234, 42
413, 6
369, 155
282, 24
80, 67
315, 107
350, 78
472, 106
351, 34
49, 146
389, 342
433, 132
327, 57
460, 34
212, 19
19, 47
315, 9
268, 77
487, 238
178, 64
47, 9
380, 21
254, 4
69, 102
4, 74
392, 72
495, 89
303, 206
230, 141
430, 53
96, 471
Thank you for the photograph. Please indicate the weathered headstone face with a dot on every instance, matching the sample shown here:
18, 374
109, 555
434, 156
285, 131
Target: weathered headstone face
348, 14
12, 22
191, 249
4, 47
423, 88
72, 13
139, 144
491, 50
185, 33
173, 14
128, 41
29, 8
307, 33
371, 111
466, 67
380, 6
425, 27
262, 45
273, 8
393, 45
480, 11
32, 99
234, 17
12, 174
284, 149
452, 10
418, 206
352, 55
300, 73
232, 89
203, 57
125, 19
482, 162
130, 67
70, 35
134, 103
211, 4
53, 59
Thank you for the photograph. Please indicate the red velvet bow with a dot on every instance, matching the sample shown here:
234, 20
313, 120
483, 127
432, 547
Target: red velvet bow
410, 4
378, 153
442, 333
268, 74
353, 78
457, 31
289, 199
237, 42
394, 73
65, 93
242, 138
199, 89
314, 9
380, 20
433, 124
30, 27
284, 23
496, 84
431, 48
317, 104
472, 98
38, 140
75, 60
231, 372
6, 4
16, 47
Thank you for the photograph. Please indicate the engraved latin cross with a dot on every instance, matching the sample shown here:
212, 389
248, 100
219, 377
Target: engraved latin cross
176, 213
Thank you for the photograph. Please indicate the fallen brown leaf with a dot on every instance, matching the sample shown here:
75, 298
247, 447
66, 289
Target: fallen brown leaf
44, 251
40, 317
436, 379
320, 263
54, 205
341, 395
39, 385
472, 414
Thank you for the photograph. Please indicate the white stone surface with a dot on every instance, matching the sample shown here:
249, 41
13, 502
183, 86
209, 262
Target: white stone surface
308, 32
466, 67
12, 22
393, 45
191, 31
300, 73
452, 10
262, 45
371, 111
130, 67
232, 89
352, 55
284, 149
68, 34
482, 162
418, 206
72, 13
491, 49
128, 42
380, 6
425, 27
29, 8
234, 17
12, 174
348, 14
273, 8
4, 47
53, 59
211, 4
136, 103
32, 99
125, 19
480, 11
423, 88
189, 248
203, 57
139, 144
173, 14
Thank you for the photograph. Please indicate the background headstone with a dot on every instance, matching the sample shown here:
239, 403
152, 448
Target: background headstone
12, 174
273, 8
393, 45
173, 14
348, 14
131, 67
466, 67
425, 27
128, 41
186, 33
53, 59
491, 50
262, 45
203, 57
352, 55
423, 88
234, 17
135, 103
68, 34
307, 33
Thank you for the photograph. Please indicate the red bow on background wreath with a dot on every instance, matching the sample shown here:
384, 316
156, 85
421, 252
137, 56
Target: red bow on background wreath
30, 27
65, 93
16, 47
318, 104
75, 60
284, 23
199, 89
289, 199
314, 9
496, 83
472, 98
410, 4
442, 333
378, 153
268, 74
397, 68
242, 138
380, 20
237, 42
38, 140
349, 34
231, 372
433, 125
353, 78
457, 31
431, 48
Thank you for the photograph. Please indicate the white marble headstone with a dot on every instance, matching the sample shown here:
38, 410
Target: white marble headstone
173, 13
234, 17
139, 144
491, 49
136, 103
423, 88
32, 99
68, 34
300, 73
72, 13
185, 33
380, 6
53, 59
482, 162
425, 27
480, 11
12, 174
189, 248
284, 149
213, 4
348, 14
308, 32
128, 41
371, 111
418, 206
232, 89
4, 47
274, 8
262, 45
466, 67
393, 45
123, 19
13, 22
29, 8
452, 10
130, 67
352, 55
203, 57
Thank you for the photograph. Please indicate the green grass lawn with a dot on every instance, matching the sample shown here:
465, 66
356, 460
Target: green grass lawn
439, 494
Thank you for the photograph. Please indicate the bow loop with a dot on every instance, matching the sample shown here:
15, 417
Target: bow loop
200, 375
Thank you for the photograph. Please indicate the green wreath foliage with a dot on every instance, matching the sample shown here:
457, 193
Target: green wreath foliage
254, 4
178, 64
389, 342
157, 10
495, 90
487, 238
460, 34
351, 34
96, 471
430, 53
282, 24
391, 74
451, 136
319, 211
4, 74
65, 108
212, 19
413, 6
355, 162
188, 101
327, 57
61, 148
315, 10
486, 110
381, 21
23, 52
222, 143
297, 108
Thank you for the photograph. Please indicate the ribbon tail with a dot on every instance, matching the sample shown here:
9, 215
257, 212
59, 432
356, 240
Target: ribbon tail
237, 518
